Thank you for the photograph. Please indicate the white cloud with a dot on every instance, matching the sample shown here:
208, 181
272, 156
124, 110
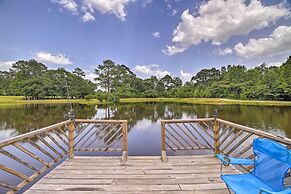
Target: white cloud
5, 65
218, 20
225, 51
146, 2
56, 59
116, 7
70, 5
171, 50
278, 42
160, 73
156, 34
174, 12
276, 64
185, 76
143, 69
149, 70
88, 17
154, 65
91, 77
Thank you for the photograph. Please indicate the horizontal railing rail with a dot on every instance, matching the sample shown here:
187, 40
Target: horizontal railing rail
25, 158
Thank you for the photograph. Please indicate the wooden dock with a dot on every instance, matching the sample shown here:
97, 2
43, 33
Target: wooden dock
147, 174
26, 158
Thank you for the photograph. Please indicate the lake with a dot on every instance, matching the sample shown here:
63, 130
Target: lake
143, 119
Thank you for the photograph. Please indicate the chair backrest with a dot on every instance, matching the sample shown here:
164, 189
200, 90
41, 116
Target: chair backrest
273, 161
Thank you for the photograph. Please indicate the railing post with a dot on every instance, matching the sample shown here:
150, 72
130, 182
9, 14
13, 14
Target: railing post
125, 141
163, 142
216, 133
71, 129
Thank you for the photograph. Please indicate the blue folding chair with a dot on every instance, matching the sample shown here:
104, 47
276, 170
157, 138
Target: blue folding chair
271, 165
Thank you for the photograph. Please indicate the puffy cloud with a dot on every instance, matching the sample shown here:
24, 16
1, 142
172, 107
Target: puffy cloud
278, 42
218, 20
160, 73
185, 76
116, 7
143, 69
225, 51
88, 17
149, 70
88, 7
56, 59
171, 50
156, 34
70, 5
5, 65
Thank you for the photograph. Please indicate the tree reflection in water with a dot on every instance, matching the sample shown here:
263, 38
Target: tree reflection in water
22, 119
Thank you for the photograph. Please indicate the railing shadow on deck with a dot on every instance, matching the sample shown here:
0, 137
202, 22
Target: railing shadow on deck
26, 158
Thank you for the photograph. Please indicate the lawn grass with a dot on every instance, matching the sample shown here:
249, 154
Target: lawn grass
213, 101
19, 100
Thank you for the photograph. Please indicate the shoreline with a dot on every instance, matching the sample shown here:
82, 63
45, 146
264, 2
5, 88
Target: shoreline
18, 100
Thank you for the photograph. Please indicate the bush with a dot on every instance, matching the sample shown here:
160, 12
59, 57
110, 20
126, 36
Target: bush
101, 96
89, 97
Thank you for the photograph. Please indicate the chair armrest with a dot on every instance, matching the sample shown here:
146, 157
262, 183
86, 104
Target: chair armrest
229, 160
265, 191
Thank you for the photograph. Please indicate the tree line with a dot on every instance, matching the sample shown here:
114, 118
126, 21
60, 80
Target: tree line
114, 81
34, 80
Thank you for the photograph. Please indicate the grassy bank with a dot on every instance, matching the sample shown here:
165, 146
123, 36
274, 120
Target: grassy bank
213, 101
18, 100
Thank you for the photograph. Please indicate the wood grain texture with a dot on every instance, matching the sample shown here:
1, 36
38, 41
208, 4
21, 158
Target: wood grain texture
139, 174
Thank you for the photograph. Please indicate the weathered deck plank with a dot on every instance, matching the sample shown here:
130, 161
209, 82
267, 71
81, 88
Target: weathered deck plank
147, 174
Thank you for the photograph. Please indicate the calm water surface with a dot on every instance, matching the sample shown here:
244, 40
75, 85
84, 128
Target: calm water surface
143, 119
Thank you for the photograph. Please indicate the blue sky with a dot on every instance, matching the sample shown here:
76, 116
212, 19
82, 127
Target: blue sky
152, 37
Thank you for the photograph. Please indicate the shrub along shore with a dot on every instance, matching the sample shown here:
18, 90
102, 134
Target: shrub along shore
20, 100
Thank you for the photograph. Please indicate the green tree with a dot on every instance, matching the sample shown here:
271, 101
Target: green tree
79, 72
5, 80
105, 76
206, 77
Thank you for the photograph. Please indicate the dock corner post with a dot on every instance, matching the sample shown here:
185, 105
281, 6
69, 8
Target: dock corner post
71, 129
216, 133
163, 142
124, 141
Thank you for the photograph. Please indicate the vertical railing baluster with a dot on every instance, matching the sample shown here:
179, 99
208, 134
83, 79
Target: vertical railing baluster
125, 141
71, 128
163, 142
216, 133
216, 136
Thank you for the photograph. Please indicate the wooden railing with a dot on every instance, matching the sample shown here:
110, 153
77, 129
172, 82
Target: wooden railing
26, 158
181, 135
101, 136
218, 135
237, 140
